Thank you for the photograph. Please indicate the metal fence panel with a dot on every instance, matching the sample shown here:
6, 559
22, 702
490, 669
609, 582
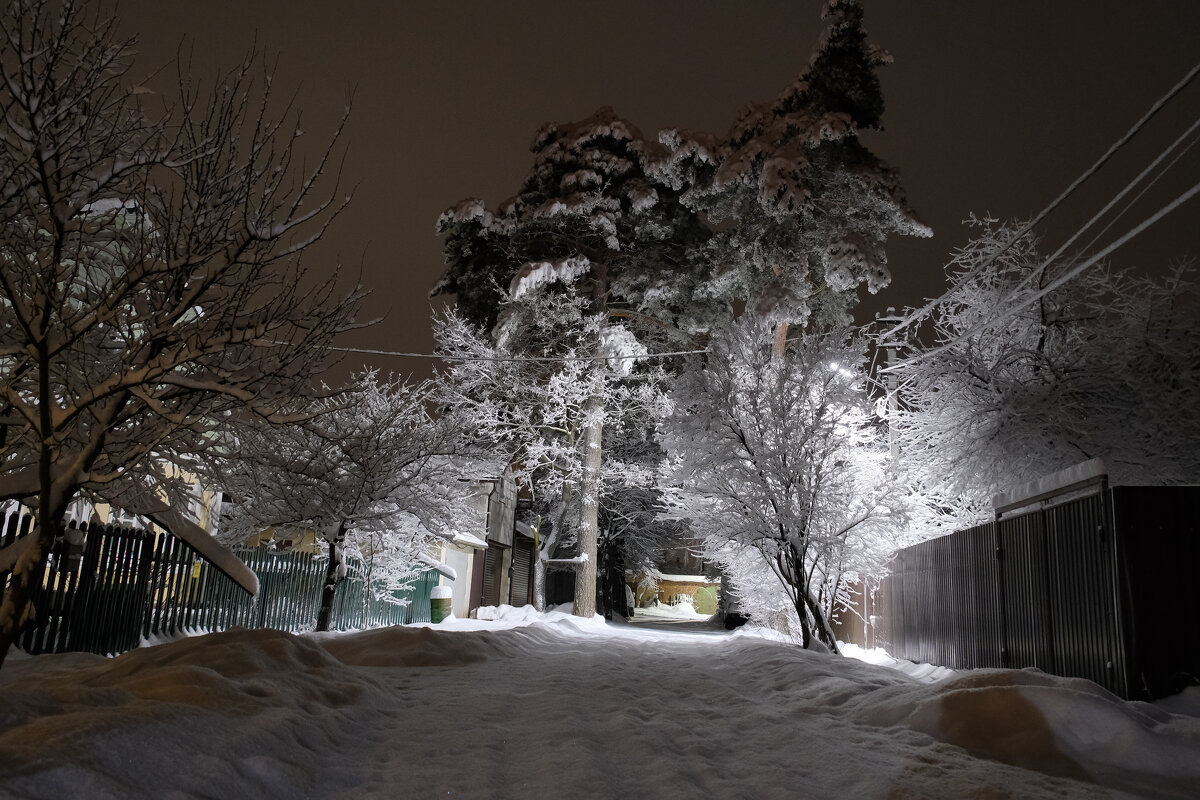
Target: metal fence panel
1081, 591
939, 603
106, 588
1100, 587
1025, 583
1158, 540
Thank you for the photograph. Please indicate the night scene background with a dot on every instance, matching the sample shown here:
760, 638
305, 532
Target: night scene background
656, 505
991, 108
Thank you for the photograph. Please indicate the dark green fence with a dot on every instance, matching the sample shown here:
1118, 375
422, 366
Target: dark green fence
107, 588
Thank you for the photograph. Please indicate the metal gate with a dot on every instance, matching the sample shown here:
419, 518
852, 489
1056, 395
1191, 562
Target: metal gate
520, 591
1098, 587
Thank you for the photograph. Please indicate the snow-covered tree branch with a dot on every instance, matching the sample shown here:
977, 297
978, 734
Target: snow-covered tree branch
1103, 367
779, 454
653, 244
368, 470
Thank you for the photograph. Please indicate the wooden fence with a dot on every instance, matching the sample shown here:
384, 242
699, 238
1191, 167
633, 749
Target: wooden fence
106, 588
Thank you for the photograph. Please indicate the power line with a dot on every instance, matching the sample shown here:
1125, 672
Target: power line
909, 319
1072, 273
1116, 199
547, 359
1041, 268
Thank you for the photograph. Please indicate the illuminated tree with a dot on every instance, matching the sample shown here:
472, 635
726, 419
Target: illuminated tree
779, 453
368, 470
1014, 386
664, 241
802, 208
587, 264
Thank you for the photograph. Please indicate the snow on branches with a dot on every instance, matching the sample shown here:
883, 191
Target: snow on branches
779, 454
616, 244
368, 470
808, 207
1107, 366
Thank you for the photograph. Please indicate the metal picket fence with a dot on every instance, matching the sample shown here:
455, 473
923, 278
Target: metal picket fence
105, 588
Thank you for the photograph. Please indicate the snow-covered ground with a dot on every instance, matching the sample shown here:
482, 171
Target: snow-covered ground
541, 706
681, 612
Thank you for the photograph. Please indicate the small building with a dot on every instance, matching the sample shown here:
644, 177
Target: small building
666, 589
490, 563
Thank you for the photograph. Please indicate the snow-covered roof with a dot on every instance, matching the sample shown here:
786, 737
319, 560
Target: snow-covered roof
688, 579
1067, 480
468, 540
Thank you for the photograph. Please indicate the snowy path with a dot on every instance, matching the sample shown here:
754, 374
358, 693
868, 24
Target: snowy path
565, 709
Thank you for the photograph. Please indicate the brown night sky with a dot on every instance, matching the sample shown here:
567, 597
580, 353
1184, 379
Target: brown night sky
992, 106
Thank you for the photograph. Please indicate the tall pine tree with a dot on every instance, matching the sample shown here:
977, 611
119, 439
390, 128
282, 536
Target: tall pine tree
659, 242
802, 207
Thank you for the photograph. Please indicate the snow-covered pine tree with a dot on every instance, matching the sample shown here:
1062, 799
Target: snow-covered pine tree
596, 241
786, 216
150, 275
803, 208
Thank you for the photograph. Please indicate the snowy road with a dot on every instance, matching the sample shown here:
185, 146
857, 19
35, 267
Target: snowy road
567, 709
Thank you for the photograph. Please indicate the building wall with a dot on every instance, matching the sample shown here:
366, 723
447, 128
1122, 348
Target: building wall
459, 559
669, 586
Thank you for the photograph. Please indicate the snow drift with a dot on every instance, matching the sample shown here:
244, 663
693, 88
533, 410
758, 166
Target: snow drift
549, 705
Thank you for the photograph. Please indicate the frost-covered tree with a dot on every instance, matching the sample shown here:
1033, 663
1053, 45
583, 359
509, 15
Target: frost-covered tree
534, 410
668, 239
802, 207
369, 471
150, 274
778, 452
593, 253
1013, 386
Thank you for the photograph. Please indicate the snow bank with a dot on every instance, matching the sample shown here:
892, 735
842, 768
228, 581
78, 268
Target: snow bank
1066, 727
683, 610
544, 705
505, 617
925, 673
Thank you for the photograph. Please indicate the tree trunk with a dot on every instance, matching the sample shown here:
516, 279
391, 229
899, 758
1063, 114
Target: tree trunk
604, 602
333, 576
781, 332
802, 615
612, 581
539, 583
18, 609
589, 521
545, 551
824, 630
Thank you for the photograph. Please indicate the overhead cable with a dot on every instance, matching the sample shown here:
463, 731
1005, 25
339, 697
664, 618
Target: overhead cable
909, 319
548, 359
1062, 279
1037, 272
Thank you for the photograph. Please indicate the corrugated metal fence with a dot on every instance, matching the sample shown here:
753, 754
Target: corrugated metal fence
105, 588
1100, 587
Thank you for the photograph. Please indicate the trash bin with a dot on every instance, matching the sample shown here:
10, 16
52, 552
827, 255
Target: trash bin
439, 603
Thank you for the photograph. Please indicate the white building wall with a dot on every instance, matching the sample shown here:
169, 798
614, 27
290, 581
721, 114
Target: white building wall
459, 559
